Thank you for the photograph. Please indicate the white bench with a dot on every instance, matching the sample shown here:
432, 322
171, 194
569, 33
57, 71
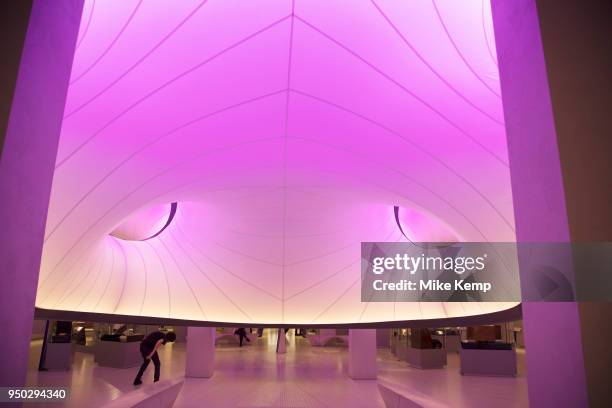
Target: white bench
161, 394
396, 397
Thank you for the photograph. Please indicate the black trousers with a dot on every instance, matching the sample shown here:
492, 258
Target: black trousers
145, 364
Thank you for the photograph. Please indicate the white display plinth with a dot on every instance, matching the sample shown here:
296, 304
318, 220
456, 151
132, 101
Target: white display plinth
451, 343
488, 362
117, 354
426, 358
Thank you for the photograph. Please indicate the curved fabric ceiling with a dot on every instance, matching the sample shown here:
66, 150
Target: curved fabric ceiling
287, 132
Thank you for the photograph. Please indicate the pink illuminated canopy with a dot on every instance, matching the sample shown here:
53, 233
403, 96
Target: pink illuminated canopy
286, 132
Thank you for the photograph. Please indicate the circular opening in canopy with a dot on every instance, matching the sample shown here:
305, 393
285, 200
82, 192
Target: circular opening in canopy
146, 223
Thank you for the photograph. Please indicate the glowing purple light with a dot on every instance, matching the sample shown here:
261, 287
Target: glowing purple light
288, 131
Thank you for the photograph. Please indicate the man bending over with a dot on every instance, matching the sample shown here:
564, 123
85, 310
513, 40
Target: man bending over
148, 350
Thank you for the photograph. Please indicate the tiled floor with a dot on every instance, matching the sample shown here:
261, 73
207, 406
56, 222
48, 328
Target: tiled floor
255, 376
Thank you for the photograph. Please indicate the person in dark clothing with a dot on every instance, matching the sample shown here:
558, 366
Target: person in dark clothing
148, 350
241, 332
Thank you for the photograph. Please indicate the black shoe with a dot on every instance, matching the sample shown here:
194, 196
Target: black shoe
156, 380
137, 382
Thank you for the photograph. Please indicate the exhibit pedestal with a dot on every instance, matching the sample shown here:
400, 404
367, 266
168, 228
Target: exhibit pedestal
452, 343
426, 358
58, 356
200, 352
488, 362
117, 354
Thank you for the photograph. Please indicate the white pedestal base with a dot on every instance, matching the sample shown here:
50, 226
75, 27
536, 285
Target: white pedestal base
426, 358
488, 362
117, 354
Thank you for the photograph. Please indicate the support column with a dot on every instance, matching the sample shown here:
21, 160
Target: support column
281, 342
28, 152
554, 70
200, 352
362, 354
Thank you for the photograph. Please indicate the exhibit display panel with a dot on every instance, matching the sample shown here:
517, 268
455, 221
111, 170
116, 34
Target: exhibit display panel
223, 161
488, 359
